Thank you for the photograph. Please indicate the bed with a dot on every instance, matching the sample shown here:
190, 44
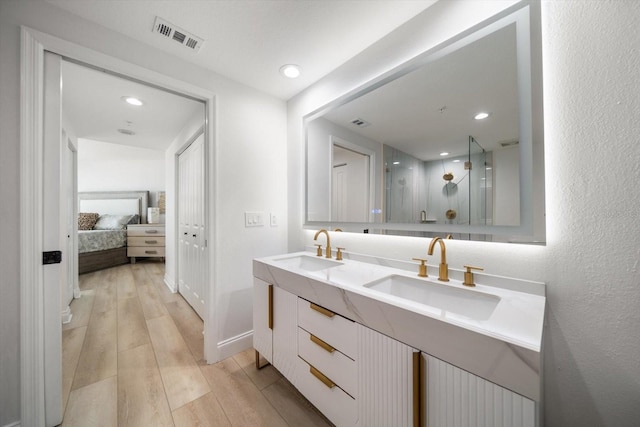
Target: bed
102, 226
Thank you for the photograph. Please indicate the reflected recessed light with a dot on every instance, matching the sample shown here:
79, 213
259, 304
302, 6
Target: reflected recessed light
444, 153
290, 70
488, 169
131, 100
456, 161
396, 163
481, 116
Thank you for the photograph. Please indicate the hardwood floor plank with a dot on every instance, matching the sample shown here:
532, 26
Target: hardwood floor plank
293, 406
190, 326
243, 403
141, 397
106, 292
183, 380
72, 340
132, 328
205, 411
89, 280
93, 405
260, 377
126, 287
98, 358
152, 305
81, 310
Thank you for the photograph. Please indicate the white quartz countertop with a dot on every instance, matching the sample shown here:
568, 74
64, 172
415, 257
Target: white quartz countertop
501, 343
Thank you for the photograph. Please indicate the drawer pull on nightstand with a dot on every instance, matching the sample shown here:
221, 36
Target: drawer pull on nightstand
322, 377
150, 252
151, 242
314, 339
151, 231
321, 310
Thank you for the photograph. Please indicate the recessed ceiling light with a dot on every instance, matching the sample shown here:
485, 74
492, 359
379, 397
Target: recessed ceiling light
290, 70
481, 116
488, 168
444, 153
396, 163
131, 100
456, 161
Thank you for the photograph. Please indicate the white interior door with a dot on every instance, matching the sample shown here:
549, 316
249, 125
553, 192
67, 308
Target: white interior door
54, 238
191, 225
350, 186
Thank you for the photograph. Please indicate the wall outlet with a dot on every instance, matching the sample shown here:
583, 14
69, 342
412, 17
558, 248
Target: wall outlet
254, 219
274, 220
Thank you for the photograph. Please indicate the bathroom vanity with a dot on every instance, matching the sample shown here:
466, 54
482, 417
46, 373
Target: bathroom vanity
370, 343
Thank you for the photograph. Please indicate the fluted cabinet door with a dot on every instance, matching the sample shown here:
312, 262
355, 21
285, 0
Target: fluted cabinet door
262, 333
385, 380
457, 398
285, 333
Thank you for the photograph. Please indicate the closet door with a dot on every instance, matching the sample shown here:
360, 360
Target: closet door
191, 225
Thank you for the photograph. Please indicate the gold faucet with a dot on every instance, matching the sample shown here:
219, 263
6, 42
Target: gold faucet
328, 251
443, 275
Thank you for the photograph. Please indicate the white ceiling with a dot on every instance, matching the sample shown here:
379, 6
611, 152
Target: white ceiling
91, 102
249, 40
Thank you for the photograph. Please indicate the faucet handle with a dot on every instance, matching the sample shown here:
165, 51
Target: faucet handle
319, 251
339, 254
468, 275
422, 272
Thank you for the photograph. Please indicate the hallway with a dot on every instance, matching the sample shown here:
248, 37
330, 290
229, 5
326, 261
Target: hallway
133, 356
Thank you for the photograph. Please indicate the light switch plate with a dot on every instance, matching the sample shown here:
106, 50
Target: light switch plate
254, 219
274, 220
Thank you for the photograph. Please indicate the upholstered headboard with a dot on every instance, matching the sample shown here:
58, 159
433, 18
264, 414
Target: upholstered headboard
115, 203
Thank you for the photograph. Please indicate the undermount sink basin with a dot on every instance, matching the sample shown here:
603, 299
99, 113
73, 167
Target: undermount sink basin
463, 302
306, 262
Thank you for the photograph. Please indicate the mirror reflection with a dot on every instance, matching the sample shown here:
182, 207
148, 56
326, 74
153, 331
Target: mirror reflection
438, 148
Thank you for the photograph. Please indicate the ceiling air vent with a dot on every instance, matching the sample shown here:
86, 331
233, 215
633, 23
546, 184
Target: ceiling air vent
177, 34
360, 123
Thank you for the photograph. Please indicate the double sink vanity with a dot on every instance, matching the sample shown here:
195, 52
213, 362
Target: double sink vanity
371, 343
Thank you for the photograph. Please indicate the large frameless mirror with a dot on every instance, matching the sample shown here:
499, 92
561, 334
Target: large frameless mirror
450, 143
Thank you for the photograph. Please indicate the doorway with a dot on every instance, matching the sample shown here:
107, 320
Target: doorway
34, 208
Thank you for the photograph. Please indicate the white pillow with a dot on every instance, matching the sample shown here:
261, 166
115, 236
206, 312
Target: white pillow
112, 222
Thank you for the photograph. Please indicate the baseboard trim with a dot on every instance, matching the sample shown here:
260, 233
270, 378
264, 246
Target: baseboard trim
168, 280
235, 345
66, 315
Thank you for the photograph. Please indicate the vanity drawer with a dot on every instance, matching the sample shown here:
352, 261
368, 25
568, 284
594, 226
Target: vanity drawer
332, 363
149, 251
145, 230
146, 241
332, 401
335, 330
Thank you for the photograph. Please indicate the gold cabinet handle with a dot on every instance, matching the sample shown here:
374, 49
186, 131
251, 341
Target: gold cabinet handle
322, 377
417, 398
321, 310
270, 320
321, 343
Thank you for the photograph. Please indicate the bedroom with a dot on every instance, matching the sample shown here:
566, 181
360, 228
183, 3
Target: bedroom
122, 159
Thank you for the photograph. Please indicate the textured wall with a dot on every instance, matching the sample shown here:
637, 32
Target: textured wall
591, 52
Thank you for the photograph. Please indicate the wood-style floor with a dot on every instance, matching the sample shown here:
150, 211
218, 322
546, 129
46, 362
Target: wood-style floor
133, 356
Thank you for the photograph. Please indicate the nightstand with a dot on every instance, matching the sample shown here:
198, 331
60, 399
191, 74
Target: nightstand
145, 240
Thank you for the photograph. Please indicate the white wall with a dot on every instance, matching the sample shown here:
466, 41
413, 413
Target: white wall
506, 186
251, 172
105, 166
590, 262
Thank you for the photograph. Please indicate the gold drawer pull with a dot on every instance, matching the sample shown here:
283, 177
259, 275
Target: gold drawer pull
321, 343
151, 231
321, 310
319, 375
150, 252
151, 242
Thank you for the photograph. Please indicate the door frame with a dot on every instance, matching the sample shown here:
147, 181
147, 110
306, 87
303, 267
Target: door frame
33, 44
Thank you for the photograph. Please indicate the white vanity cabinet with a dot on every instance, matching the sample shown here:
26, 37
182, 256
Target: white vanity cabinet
275, 327
453, 397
